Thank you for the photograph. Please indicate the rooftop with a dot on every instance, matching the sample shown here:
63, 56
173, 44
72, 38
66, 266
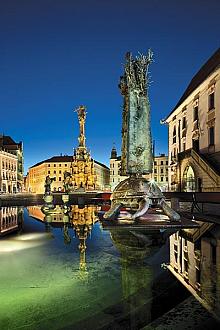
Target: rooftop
212, 63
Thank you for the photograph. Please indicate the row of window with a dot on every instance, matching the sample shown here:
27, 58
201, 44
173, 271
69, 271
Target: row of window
161, 170
54, 165
211, 105
161, 179
8, 176
54, 172
8, 166
161, 162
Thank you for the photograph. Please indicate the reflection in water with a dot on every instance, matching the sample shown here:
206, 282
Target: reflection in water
130, 292
11, 219
195, 261
80, 219
137, 275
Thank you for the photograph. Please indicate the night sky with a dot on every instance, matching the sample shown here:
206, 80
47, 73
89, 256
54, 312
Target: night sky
57, 54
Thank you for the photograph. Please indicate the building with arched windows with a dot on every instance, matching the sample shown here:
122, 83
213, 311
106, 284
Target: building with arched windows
194, 132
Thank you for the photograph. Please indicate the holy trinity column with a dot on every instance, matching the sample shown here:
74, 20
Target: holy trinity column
83, 171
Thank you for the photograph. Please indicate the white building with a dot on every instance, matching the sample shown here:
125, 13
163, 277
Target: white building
8, 172
159, 174
194, 132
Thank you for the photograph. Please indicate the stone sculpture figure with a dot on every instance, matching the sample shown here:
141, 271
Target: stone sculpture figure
81, 111
136, 193
67, 182
47, 185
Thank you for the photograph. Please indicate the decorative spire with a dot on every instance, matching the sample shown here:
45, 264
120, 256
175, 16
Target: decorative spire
113, 152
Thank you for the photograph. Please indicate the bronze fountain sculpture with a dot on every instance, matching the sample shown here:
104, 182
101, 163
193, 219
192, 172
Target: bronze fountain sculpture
136, 193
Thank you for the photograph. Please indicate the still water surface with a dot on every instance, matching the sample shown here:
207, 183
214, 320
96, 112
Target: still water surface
66, 272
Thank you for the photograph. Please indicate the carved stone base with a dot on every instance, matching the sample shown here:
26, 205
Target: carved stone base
136, 195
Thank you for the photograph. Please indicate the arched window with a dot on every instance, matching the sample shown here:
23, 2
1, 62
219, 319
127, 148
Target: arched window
189, 179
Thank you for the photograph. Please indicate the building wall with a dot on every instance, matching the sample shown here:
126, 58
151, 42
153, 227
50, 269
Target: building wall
102, 176
8, 172
194, 132
159, 175
37, 174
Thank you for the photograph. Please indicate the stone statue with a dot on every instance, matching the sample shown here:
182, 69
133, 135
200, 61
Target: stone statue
135, 193
67, 182
47, 185
81, 111
136, 132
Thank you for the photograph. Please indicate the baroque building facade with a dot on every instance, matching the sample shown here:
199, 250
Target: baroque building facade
194, 132
159, 174
9, 146
55, 167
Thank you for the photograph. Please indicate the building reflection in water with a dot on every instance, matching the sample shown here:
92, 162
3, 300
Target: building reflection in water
137, 275
11, 219
80, 219
195, 261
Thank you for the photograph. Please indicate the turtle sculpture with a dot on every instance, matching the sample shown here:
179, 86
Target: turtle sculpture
137, 195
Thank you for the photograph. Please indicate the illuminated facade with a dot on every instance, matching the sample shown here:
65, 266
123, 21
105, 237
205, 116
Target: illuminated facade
194, 132
55, 168
7, 144
8, 172
194, 259
159, 175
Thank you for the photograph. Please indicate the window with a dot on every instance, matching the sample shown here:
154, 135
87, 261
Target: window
184, 122
59, 165
166, 162
54, 165
65, 165
211, 136
54, 172
161, 178
196, 113
60, 178
48, 165
48, 172
161, 170
60, 172
155, 170
155, 163
211, 101
161, 163
174, 134
155, 179
166, 178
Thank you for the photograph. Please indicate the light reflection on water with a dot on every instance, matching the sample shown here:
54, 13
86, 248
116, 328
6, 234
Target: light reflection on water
67, 273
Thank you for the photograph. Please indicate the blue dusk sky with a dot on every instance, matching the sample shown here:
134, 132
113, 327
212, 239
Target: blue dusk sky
58, 54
